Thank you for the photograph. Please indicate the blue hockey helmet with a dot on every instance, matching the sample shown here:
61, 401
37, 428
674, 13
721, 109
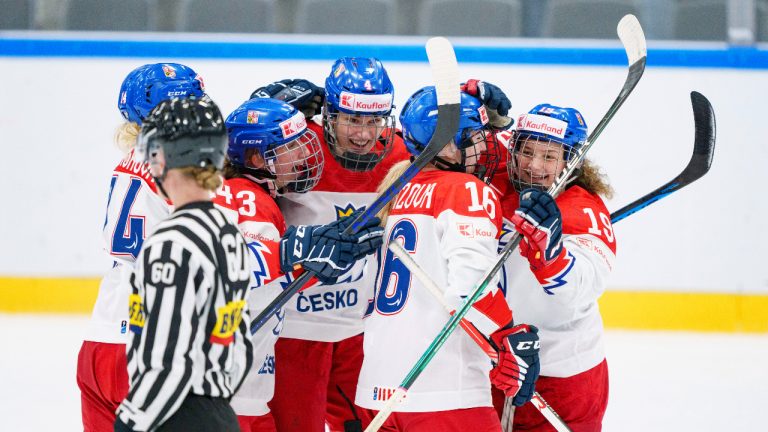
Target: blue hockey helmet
278, 132
358, 124
550, 122
419, 120
545, 139
359, 85
144, 87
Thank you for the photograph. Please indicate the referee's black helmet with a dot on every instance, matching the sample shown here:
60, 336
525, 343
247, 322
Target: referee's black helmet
190, 131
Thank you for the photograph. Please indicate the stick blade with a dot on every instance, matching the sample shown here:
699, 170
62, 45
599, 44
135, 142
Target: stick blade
632, 37
445, 70
704, 144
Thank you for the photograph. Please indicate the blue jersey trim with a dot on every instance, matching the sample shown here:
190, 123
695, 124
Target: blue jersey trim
709, 57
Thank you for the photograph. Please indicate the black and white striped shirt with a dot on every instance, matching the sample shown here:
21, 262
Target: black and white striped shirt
188, 315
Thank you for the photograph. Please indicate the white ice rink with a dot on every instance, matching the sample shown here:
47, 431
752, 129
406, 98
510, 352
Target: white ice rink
660, 381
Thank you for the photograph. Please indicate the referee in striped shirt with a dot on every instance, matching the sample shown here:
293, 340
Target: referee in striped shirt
190, 349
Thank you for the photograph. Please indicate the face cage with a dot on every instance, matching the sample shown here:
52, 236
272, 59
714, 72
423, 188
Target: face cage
297, 165
360, 161
528, 150
487, 162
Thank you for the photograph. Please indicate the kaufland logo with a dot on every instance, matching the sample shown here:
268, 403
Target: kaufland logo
365, 103
542, 124
293, 125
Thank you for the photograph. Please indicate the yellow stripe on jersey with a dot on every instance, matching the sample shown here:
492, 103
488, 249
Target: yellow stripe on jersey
632, 310
228, 318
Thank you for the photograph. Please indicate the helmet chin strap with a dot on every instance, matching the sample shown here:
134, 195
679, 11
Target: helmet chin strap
159, 181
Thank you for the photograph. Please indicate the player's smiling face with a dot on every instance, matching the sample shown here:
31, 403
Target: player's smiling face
358, 133
537, 162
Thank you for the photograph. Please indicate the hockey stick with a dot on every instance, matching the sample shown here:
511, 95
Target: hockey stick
631, 35
701, 160
472, 331
445, 73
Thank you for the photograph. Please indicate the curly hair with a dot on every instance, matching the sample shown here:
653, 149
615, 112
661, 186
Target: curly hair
126, 136
593, 180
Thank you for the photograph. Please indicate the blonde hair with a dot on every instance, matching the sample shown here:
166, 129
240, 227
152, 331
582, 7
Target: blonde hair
593, 180
126, 136
208, 178
396, 171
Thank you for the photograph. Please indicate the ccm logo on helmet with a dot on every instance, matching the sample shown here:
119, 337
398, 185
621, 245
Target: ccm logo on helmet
365, 103
526, 345
542, 124
177, 93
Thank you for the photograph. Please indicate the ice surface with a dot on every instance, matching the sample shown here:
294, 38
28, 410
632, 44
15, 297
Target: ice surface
660, 381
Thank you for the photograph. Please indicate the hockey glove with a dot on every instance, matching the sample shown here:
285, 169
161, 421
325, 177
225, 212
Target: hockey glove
325, 250
302, 94
518, 366
538, 220
496, 102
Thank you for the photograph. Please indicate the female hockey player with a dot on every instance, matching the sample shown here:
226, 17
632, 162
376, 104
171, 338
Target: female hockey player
566, 254
320, 349
193, 277
449, 219
271, 152
134, 208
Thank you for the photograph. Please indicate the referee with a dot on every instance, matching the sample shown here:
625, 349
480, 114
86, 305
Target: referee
189, 352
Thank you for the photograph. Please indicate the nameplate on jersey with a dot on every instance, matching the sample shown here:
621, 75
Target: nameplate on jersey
415, 196
228, 318
131, 166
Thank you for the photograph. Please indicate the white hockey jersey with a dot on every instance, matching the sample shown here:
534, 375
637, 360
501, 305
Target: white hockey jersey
561, 300
259, 219
334, 313
134, 209
450, 223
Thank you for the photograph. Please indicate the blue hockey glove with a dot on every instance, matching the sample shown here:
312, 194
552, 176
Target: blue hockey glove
518, 366
302, 94
496, 102
538, 220
325, 250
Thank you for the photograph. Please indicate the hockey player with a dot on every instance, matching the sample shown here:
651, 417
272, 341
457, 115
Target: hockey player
185, 143
566, 254
271, 152
133, 209
320, 350
449, 219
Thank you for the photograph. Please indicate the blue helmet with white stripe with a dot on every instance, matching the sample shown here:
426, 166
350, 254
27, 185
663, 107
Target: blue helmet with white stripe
550, 122
288, 152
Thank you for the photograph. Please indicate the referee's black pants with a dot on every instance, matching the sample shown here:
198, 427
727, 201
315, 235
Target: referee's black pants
202, 413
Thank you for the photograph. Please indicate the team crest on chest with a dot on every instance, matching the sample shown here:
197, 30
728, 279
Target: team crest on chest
342, 212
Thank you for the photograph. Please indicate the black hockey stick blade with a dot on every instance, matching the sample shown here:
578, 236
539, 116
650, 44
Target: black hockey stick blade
445, 73
701, 159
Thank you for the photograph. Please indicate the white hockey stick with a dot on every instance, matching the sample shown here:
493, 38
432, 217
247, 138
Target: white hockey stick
476, 336
633, 39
